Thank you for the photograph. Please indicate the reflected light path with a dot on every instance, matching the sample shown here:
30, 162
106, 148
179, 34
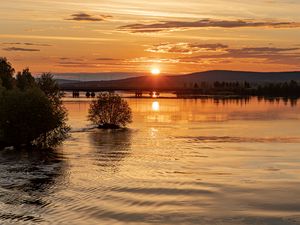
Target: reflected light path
182, 161
155, 106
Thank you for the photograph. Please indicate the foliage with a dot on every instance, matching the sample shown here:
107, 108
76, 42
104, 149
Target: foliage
6, 73
31, 113
274, 89
1, 88
110, 111
29, 118
25, 80
50, 87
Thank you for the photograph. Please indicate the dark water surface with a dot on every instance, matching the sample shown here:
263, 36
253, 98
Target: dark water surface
204, 162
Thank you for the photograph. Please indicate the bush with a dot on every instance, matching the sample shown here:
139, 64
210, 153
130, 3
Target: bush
29, 118
31, 113
110, 111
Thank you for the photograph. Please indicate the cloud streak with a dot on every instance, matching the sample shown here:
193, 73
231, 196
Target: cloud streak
12, 49
204, 23
186, 48
288, 56
88, 17
26, 44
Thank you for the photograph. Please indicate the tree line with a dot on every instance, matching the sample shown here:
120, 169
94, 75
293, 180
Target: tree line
278, 89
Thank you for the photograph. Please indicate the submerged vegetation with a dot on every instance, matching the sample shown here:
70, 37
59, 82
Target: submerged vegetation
110, 111
31, 111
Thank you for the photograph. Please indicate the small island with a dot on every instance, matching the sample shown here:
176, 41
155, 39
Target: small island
110, 111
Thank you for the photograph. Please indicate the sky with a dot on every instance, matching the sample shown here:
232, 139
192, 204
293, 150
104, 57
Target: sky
134, 36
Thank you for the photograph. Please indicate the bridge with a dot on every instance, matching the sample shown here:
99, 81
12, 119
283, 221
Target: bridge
91, 90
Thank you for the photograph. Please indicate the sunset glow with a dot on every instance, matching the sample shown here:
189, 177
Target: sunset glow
123, 36
155, 71
150, 112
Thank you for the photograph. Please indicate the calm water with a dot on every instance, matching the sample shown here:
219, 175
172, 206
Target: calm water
182, 161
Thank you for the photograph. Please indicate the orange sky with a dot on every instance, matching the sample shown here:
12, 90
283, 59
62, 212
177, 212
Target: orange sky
136, 35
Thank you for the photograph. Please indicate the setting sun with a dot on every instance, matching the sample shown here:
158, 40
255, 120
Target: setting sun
155, 71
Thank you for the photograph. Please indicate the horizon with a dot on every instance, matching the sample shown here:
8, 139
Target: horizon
110, 76
137, 36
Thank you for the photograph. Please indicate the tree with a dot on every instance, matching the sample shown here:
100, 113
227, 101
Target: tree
50, 87
1, 88
6, 73
110, 111
31, 112
25, 80
29, 118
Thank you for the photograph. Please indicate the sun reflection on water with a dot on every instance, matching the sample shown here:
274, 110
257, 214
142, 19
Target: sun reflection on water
155, 106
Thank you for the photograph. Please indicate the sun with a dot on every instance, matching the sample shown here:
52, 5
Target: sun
155, 71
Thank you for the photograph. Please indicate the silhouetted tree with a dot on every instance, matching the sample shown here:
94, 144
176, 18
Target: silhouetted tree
31, 113
6, 73
110, 111
50, 87
28, 116
1, 88
247, 85
25, 80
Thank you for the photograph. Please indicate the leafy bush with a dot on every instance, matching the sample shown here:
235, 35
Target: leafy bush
110, 111
31, 113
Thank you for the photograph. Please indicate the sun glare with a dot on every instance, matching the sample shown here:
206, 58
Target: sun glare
155, 71
155, 106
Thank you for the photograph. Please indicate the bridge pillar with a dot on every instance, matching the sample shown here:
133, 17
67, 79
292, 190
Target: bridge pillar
76, 94
138, 94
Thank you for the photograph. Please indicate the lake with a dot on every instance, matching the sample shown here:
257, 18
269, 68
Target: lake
184, 161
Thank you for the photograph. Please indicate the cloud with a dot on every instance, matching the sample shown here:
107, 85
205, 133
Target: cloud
152, 60
260, 51
11, 49
186, 48
289, 56
106, 59
36, 44
88, 17
204, 23
27, 44
100, 62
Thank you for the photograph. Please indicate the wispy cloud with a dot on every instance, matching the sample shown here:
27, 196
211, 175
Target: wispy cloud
288, 56
82, 63
26, 44
46, 37
153, 60
11, 49
186, 48
204, 23
88, 17
106, 59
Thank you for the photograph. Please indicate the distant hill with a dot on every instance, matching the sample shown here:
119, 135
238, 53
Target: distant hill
178, 81
105, 76
66, 81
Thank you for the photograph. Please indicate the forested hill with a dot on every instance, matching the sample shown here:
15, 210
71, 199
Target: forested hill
179, 81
